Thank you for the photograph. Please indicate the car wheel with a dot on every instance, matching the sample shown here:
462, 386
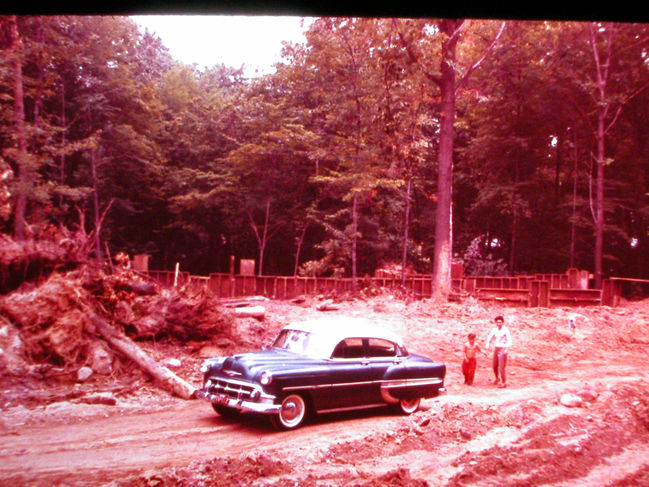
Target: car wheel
408, 406
292, 413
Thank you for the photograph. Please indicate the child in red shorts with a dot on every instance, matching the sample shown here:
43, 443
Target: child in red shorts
469, 363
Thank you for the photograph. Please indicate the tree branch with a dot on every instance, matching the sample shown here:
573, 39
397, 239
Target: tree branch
412, 55
477, 64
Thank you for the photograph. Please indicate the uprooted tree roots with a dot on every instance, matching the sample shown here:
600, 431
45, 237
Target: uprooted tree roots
33, 260
52, 316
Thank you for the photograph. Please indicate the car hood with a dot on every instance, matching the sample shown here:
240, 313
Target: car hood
249, 364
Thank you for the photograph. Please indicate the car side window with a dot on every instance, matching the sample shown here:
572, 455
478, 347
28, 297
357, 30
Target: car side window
349, 348
378, 347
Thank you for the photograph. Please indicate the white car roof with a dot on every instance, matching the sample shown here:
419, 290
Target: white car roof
329, 331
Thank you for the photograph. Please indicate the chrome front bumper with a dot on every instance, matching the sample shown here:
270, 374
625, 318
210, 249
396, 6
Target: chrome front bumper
265, 407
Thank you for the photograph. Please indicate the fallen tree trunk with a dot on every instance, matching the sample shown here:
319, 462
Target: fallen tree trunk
124, 345
257, 312
327, 306
239, 302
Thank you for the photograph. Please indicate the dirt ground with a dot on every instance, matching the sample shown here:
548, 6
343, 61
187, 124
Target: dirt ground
52, 434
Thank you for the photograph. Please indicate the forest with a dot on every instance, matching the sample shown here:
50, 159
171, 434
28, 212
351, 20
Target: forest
510, 146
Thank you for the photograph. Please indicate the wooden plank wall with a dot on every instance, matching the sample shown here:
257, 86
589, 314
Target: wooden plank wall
542, 290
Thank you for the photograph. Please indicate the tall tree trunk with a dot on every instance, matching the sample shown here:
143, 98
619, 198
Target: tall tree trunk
63, 139
603, 106
298, 250
262, 248
514, 243
599, 202
606, 119
446, 82
20, 135
406, 226
515, 214
358, 162
354, 240
262, 238
38, 101
573, 222
95, 194
443, 238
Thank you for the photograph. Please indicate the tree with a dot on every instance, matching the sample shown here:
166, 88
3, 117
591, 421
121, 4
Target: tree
270, 170
119, 111
377, 141
605, 74
609, 105
513, 118
447, 33
340, 86
20, 158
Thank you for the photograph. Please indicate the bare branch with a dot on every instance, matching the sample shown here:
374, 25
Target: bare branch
619, 109
477, 64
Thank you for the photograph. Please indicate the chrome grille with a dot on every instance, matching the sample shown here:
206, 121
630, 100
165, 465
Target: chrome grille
231, 388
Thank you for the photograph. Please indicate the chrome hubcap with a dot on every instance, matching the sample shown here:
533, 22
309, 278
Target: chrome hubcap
292, 412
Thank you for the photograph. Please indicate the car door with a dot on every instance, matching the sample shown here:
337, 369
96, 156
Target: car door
351, 376
384, 361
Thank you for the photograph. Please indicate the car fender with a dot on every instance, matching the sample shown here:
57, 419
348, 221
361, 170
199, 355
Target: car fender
412, 380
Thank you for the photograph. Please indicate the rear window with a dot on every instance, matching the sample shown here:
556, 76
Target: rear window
379, 347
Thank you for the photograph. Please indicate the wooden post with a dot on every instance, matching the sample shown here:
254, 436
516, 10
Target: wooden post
544, 294
539, 294
611, 291
141, 262
232, 283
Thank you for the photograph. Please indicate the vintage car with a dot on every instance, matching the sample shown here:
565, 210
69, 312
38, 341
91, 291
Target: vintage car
322, 366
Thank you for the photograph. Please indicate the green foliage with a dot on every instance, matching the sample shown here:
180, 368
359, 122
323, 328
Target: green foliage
330, 164
479, 259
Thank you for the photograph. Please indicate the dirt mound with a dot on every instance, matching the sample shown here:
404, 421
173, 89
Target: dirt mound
225, 472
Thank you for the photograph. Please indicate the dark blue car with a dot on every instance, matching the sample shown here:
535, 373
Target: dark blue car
335, 364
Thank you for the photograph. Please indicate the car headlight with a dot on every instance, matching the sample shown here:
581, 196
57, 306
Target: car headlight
265, 378
205, 366
209, 363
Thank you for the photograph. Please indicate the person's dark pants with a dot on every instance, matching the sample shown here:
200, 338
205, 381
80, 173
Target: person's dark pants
468, 369
500, 363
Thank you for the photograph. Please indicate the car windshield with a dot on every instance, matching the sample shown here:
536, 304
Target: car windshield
296, 341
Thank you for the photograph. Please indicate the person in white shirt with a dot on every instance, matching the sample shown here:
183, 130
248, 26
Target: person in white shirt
502, 341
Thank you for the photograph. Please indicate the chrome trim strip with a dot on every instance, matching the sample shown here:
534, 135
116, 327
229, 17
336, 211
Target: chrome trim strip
384, 383
324, 386
243, 406
232, 373
230, 380
306, 388
352, 408
412, 382
386, 393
